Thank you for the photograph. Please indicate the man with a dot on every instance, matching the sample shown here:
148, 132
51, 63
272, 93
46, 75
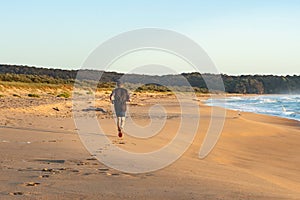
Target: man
119, 97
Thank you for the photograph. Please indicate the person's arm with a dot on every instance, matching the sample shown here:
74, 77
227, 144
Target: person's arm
127, 96
111, 95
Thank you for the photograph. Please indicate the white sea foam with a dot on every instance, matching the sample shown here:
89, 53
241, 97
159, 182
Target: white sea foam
287, 106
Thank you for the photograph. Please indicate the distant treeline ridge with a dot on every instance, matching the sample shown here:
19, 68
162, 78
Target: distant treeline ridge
245, 84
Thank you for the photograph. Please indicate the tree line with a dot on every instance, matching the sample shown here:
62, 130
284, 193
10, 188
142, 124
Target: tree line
244, 84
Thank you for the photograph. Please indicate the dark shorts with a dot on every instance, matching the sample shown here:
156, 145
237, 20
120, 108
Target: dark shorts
120, 109
120, 114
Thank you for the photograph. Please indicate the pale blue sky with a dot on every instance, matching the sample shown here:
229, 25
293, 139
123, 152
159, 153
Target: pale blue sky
242, 37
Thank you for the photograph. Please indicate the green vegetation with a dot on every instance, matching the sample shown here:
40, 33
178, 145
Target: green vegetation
249, 84
108, 85
201, 90
89, 92
21, 85
64, 95
24, 76
1, 95
153, 88
34, 95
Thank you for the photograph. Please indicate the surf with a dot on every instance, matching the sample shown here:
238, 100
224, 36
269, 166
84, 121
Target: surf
286, 106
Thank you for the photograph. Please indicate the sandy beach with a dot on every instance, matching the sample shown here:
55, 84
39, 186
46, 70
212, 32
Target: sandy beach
42, 157
150, 100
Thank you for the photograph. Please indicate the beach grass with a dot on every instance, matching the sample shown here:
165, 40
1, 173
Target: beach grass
64, 95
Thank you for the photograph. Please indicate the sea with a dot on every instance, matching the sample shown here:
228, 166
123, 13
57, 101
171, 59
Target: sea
286, 106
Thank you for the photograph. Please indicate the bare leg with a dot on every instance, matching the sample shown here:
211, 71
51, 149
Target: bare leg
122, 124
119, 123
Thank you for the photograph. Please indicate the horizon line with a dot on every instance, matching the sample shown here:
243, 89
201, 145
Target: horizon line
221, 73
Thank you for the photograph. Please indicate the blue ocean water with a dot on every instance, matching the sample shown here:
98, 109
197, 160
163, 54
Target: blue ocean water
286, 106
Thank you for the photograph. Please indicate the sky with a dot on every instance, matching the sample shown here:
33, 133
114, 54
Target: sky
241, 37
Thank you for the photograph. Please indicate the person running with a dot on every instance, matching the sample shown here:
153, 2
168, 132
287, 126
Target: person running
119, 97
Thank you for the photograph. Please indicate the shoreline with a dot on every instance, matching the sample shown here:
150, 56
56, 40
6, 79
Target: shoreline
257, 112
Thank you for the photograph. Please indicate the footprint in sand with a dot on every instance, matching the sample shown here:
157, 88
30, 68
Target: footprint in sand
16, 193
112, 174
47, 170
32, 183
103, 169
91, 158
107, 173
44, 176
53, 171
83, 163
119, 142
87, 173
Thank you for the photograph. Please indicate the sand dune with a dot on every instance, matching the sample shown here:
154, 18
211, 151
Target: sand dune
42, 157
